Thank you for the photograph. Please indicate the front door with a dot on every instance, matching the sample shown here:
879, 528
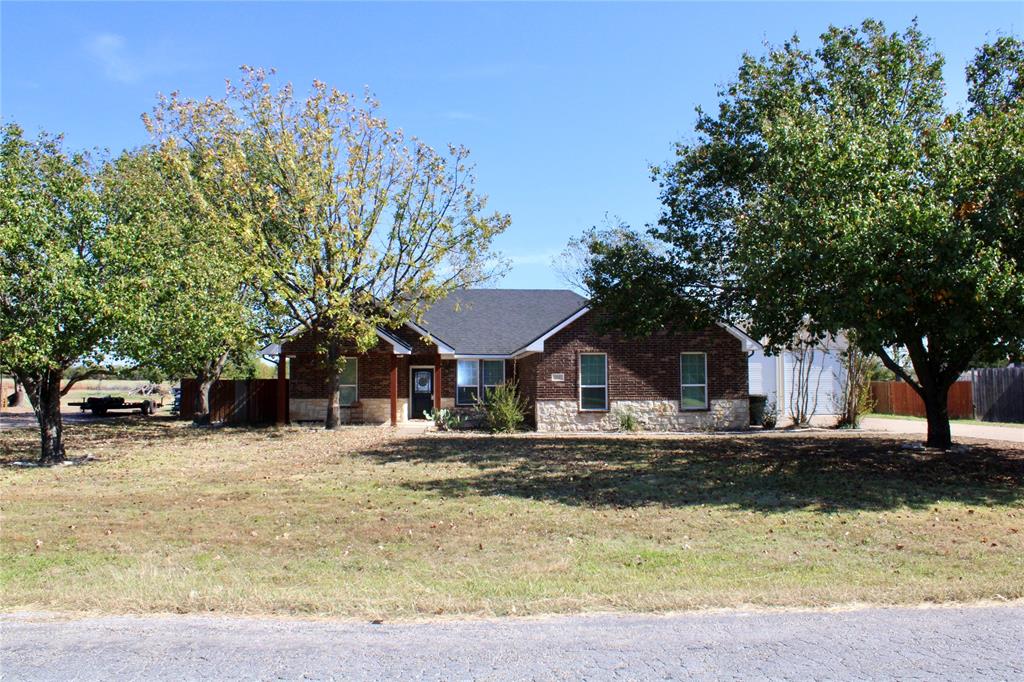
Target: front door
422, 392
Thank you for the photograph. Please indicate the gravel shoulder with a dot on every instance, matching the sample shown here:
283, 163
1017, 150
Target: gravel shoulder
954, 643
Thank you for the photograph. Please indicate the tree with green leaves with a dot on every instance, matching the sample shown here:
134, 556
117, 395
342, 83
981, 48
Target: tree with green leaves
202, 308
832, 191
996, 76
359, 225
60, 303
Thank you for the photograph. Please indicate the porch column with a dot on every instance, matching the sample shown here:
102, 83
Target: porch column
437, 381
282, 389
394, 389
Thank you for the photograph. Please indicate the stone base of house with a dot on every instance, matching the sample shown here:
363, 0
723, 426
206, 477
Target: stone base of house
378, 410
306, 409
370, 411
653, 415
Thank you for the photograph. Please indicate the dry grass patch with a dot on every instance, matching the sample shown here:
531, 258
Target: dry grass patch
365, 523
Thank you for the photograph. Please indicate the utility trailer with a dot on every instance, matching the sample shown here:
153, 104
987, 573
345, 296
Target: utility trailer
100, 405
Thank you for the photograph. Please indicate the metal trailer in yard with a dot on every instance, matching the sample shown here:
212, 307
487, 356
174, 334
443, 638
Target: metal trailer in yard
100, 405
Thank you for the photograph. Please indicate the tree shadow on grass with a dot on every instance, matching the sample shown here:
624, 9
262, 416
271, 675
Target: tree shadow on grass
770, 473
83, 434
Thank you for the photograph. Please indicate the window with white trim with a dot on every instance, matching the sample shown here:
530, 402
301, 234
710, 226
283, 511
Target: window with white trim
467, 382
593, 381
693, 381
492, 374
476, 378
348, 383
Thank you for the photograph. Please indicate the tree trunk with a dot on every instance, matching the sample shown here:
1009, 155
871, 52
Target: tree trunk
937, 410
333, 387
201, 415
932, 385
205, 379
44, 395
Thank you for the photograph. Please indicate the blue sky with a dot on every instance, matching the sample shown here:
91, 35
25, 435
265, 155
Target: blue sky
563, 105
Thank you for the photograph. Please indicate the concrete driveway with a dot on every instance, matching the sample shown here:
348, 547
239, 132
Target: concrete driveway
1013, 434
973, 643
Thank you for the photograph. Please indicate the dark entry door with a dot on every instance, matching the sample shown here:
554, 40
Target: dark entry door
422, 392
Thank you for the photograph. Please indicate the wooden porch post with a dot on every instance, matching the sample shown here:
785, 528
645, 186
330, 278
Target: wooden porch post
394, 389
437, 381
282, 389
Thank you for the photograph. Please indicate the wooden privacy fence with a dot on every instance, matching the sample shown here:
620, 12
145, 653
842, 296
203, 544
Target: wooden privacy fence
999, 394
243, 401
897, 397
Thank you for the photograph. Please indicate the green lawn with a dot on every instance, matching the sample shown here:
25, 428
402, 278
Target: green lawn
365, 524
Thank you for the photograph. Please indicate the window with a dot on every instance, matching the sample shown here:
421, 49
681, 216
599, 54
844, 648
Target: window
467, 378
477, 377
593, 381
493, 374
693, 380
348, 391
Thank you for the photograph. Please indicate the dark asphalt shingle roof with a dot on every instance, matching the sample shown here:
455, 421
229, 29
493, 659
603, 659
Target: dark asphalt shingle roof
498, 321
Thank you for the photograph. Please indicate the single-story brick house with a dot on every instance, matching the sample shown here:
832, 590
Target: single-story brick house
573, 378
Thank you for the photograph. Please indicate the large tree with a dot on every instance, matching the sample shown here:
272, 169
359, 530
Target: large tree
360, 226
201, 307
59, 302
831, 191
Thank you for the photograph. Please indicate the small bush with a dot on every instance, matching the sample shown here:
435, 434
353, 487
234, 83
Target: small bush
444, 419
628, 421
771, 415
854, 399
503, 408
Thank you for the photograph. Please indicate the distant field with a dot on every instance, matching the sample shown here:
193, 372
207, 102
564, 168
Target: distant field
105, 386
362, 522
119, 388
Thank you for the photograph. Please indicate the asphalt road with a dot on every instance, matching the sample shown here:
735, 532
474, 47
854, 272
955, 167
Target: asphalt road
878, 644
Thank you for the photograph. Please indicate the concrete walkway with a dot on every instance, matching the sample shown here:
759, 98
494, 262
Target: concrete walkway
1013, 434
413, 427
973, 643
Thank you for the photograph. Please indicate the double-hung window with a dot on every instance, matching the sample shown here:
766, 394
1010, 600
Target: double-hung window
348, 390
693, 381
492, 374
467, 377
593, 381
476, 378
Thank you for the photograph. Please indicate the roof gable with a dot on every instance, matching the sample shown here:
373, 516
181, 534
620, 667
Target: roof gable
498, 321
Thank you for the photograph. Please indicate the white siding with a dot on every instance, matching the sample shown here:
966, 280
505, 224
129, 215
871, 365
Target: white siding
826, 371
756, 384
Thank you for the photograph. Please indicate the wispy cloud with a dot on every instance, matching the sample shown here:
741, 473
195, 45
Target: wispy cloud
122, 64
109, 50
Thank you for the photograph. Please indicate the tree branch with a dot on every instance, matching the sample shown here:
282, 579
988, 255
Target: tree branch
897, 369
87, 374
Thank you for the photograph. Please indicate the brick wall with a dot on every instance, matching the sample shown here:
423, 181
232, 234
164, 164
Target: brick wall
524, 370
308, 378
641, 369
